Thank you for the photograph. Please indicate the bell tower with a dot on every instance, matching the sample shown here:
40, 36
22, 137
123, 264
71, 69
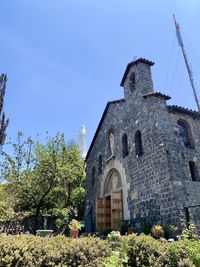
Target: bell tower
137, 79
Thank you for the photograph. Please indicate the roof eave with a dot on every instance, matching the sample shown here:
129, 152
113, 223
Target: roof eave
99, 125
179, 109
157, 94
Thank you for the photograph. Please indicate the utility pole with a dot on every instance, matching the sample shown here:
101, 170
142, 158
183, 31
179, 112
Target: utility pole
3, 120
181, 44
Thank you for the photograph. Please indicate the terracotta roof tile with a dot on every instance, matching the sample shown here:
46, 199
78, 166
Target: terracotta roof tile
157, 94
179, 109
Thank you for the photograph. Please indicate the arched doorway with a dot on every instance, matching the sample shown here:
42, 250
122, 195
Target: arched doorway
109, 208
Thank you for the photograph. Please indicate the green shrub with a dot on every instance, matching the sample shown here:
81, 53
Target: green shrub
173, 254
157, 231
185, 263
170, 231
140, 250
146, 227
193, 250
133, 250
30, 250
59, 251
114, 236
113, 261
122, 227
189, 232
105, 231
86, 252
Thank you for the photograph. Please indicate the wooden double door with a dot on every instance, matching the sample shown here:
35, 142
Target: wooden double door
109, 210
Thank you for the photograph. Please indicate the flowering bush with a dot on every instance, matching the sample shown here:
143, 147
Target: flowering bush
113, 261
189, 232
31, 251
145, 251
157, 231
114, 236
140, 250
132, 251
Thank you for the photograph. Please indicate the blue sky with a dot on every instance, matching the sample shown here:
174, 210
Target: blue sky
65, 58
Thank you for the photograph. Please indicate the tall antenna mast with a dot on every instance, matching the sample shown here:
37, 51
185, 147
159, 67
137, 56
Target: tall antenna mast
181, 44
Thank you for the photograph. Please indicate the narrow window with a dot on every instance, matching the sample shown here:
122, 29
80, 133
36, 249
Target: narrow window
138, 144
100, 165
132, 82
124, 146
93, 175
185, 137
193, 171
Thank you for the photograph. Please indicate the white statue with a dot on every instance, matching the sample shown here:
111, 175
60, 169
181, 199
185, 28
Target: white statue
81, 141
112, 142
114, 180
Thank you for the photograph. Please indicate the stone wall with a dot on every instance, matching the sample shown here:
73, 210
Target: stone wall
158, 183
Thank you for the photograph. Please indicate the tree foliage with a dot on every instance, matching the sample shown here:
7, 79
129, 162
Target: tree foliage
6, 205
44, 178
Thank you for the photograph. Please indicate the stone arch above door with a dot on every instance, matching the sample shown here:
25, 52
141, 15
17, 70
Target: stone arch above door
112, 181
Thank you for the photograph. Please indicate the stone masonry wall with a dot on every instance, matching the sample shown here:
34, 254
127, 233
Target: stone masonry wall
186, 191
160, 180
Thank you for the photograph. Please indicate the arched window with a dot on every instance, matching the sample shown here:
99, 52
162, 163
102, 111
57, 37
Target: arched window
132, 82
185, 137
100, 165
124, 145
93, 175
138, 144
193, 171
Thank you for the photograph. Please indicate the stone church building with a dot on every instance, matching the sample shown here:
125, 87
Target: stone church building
144, 159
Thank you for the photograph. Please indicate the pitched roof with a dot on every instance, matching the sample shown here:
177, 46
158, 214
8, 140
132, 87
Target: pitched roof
179, 109
141, 60
100, 123
157, 94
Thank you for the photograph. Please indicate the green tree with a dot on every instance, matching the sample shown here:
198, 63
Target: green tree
3, 120
6, 205
43, 177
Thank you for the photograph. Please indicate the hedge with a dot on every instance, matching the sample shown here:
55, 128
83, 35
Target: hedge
31, 251
143, 250
131, 251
